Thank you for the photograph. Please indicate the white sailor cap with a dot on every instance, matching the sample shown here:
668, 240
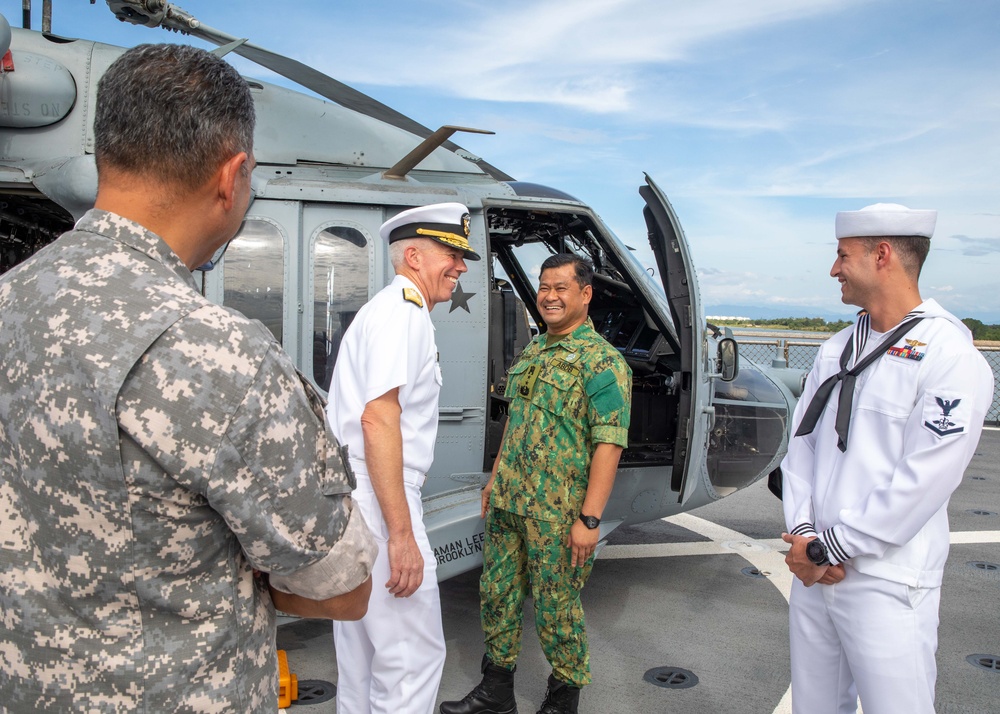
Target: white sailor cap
446, 223
886, 219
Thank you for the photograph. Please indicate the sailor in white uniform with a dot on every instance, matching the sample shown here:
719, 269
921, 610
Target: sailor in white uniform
384, 408
887, 423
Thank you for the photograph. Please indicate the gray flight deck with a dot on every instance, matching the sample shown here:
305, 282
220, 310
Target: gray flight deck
703, 593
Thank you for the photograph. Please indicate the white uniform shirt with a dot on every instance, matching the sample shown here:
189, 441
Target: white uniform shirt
917, 415
389, 344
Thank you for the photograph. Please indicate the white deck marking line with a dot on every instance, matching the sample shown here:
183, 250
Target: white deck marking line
667, 550
767, 555
767, 559
967, 537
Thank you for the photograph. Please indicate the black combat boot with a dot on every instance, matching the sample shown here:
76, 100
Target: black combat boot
560, 698
494, 695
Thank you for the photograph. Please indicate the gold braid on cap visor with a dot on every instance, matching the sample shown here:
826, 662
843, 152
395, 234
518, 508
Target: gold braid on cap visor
452, 239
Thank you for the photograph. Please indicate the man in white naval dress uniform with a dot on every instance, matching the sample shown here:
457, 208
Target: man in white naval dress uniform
384, 408
887, 423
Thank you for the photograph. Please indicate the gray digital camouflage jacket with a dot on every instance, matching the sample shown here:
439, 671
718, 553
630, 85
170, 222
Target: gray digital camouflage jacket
155, 449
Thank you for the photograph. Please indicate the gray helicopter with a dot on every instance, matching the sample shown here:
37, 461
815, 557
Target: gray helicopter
329, 172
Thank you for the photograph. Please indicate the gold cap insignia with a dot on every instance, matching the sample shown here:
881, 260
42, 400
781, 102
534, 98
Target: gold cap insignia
446, 223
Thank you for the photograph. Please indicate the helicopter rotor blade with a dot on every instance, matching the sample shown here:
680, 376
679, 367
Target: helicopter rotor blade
154, 13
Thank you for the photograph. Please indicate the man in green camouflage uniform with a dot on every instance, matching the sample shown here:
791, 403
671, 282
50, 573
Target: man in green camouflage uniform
157, 449
569, 415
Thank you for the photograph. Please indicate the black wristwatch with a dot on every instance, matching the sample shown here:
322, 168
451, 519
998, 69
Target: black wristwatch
816, 552
590, 521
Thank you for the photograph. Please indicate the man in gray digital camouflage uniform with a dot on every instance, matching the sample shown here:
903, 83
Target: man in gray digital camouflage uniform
156, 449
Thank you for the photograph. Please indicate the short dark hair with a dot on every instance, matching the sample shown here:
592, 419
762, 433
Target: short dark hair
583, 269
912, 250
173, 112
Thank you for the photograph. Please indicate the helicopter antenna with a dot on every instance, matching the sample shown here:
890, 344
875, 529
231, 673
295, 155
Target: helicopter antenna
425, 148
159, 13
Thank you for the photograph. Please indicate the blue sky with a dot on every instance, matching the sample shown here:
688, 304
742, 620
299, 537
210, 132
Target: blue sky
759, 119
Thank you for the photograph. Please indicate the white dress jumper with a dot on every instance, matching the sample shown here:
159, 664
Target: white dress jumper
881, 508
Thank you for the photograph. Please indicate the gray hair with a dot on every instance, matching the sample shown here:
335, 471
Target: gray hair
396, 251
398, 248
172, 112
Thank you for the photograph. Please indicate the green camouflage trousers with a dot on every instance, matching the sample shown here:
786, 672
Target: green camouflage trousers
524, 552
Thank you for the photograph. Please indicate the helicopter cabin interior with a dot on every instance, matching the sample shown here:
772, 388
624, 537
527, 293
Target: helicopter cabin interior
520, 240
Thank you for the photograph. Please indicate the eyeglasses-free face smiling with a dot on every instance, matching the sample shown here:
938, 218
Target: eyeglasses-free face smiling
561, 300
440, 270
854, 269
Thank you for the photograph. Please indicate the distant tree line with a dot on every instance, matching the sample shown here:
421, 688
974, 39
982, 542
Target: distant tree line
808, 324
981, 331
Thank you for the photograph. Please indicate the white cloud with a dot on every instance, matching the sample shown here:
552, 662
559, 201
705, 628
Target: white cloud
585, 54
977, 247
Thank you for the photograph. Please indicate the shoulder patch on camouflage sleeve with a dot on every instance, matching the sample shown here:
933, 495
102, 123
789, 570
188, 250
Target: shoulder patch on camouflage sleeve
411, 295
604, 394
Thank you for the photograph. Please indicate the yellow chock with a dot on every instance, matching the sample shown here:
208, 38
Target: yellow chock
288, 683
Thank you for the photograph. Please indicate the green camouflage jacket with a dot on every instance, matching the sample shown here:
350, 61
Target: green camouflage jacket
565, 399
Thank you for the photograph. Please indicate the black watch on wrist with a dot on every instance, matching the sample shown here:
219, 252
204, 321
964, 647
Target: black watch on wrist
590, 521
816, 552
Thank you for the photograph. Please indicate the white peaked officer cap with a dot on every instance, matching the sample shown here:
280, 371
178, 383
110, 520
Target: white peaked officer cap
886, 219
446, 223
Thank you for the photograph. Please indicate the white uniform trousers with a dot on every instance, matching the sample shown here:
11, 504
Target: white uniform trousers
863, 637
390, 661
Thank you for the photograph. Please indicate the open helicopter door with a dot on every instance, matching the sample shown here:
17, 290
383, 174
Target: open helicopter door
673, 260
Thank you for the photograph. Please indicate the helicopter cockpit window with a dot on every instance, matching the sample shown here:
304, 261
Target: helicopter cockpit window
254, 267
748, 431
340, 254
520, 240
